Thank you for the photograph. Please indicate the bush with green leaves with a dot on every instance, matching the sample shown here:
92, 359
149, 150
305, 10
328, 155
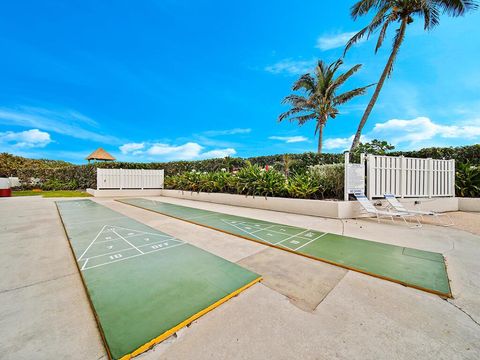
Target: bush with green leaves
467, 180
303, 186
331, 179
252, 180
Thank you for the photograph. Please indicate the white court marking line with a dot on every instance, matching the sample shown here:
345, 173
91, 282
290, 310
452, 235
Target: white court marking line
160, 242
129, 248
239, 228
83, 267
275, 231
109, 253
290, 237
137, 235
91, 221
128, 242
318, 237
88, 247
133, 256
140, 232
268, 227
199, 216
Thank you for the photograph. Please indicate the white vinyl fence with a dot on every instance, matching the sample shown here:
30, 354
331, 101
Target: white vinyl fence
129, 179
409, 177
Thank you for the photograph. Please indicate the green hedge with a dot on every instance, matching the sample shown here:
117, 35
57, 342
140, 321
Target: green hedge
65, 178
84, 175
461, 154
318, 182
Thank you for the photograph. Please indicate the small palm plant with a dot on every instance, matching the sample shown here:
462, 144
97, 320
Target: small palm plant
320, 100
286, 164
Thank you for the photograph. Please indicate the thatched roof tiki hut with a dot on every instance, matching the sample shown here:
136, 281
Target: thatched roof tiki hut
100, 155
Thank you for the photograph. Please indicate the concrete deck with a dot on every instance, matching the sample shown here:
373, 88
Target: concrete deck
304, 309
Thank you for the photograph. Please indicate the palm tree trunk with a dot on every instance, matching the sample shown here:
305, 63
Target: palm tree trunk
378, 88
320, 137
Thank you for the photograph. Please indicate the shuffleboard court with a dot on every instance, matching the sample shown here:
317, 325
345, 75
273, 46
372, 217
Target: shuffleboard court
415, 268
143, 284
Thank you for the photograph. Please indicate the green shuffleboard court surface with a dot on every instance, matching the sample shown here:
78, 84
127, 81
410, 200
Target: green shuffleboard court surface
420, 269
143, 285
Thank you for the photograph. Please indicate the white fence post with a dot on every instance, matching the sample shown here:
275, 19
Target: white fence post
431, 176
403, 176
453, 174
371, 176
345, 181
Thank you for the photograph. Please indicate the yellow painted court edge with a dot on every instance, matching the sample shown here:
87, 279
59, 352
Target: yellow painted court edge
442, 295
167, 333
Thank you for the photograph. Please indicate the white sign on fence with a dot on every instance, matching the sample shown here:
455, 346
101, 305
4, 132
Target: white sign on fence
354, 176
129, 179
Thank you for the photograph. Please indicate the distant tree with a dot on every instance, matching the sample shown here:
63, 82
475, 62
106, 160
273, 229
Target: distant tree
375, 147
388, 12
320, 100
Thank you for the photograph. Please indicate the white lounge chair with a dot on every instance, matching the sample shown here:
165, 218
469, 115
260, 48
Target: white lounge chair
398, 206
369, 208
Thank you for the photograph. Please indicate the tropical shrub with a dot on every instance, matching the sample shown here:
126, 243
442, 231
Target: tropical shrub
303, 186
252, 180
331, 179
467, 180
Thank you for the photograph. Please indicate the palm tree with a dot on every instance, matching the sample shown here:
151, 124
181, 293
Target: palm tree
401, 12
321, 99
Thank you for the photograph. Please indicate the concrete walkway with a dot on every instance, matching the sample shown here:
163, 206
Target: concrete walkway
304, 309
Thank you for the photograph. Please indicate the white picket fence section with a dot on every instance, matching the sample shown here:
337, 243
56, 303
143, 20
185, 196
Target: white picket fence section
409, 177
129, 179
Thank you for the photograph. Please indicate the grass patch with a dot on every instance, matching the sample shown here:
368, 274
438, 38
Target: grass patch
50, 194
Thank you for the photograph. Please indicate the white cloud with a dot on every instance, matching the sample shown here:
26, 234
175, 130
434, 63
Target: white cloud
289, 139
422, 129
227, 132
413, 133
33, 138
219, 153
65, 122
291, 67
333, 41
168, 152
187, 151
341, 143
131, 147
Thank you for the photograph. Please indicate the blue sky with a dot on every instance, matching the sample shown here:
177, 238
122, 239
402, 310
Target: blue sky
166, 80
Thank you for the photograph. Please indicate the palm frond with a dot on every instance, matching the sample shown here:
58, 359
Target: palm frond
306, 82
456, 7
364, 6
289, 113
302, 119
381, 35
345, 76
349, 95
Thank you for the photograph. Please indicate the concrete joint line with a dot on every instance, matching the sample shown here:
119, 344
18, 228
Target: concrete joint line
462, 310
338, 282
36, 283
